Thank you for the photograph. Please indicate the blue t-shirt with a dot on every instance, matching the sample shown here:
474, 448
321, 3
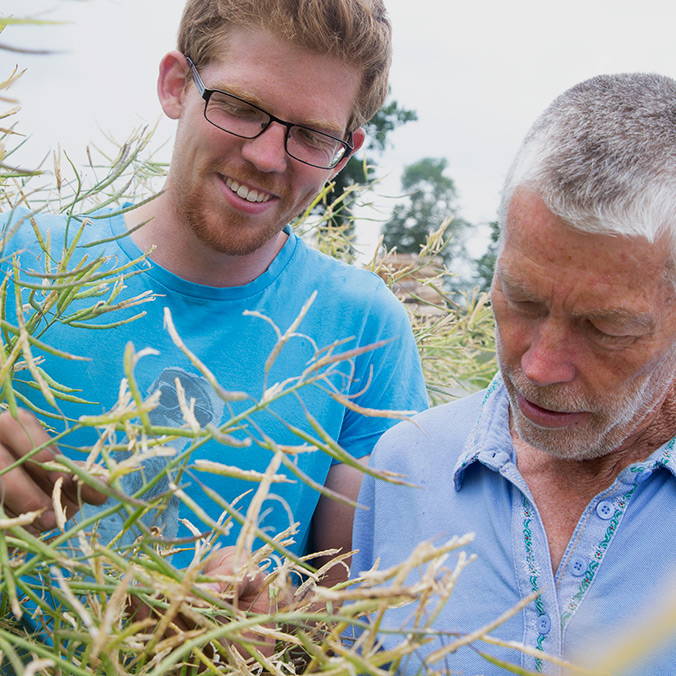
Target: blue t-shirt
615, 577
232, 331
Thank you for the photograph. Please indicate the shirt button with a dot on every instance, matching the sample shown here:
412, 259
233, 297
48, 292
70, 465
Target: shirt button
605, 509
544, 624
577, 566
501, 459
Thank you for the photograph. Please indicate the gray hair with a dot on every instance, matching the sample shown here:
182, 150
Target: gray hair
603, 157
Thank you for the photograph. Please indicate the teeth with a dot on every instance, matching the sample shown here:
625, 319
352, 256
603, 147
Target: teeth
244, 192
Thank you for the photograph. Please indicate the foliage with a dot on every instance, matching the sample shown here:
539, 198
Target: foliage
485, 264
431, 200
455, 337
99, 608
338, 203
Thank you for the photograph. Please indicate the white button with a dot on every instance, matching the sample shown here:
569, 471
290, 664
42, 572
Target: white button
605, 509
577, 566
544, 624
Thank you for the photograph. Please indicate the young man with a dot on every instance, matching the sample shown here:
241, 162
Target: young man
269, 96
564, 467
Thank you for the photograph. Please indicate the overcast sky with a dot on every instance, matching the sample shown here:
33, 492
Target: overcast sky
477, 73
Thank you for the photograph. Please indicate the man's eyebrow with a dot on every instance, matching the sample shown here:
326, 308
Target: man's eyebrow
319, 125
244, 94
642, 320
515, 285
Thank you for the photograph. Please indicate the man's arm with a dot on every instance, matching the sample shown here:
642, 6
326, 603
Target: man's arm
332, 521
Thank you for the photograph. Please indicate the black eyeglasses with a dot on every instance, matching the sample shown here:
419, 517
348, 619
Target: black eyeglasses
246, 120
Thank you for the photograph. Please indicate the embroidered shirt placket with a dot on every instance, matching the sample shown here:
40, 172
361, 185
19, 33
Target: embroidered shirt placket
597, 527
534, 574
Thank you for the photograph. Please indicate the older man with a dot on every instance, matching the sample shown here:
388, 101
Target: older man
564, 466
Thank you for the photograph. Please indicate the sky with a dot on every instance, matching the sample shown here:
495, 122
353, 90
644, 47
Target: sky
477, 73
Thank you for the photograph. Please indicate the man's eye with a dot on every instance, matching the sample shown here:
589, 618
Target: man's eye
527, 307
313, 139
610, 339
233, 107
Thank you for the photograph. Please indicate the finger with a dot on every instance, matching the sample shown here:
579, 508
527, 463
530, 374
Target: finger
223, 561
79, 491
8, 514
30, 486
24, 433
20, 494
250, 587
20, 436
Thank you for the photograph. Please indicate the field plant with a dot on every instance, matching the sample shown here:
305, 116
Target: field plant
73, 604
69, 601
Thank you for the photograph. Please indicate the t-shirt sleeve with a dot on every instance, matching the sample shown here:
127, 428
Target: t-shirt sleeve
387, 378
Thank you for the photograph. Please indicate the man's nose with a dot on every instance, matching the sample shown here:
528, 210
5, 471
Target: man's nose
550, 357
267, 152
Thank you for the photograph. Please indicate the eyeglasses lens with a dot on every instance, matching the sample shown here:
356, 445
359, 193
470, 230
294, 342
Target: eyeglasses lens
243, 119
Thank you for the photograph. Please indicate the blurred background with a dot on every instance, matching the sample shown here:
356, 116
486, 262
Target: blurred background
468, 79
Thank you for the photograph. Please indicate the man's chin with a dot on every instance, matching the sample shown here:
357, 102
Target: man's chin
231, 243
561, 443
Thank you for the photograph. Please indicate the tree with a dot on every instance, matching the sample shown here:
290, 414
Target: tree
485, 264
431, 200
363, 171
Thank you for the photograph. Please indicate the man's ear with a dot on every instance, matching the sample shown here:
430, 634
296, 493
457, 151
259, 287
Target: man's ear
358, 138
171, 84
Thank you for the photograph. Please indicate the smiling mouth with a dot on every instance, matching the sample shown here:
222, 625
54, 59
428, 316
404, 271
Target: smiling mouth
248, 194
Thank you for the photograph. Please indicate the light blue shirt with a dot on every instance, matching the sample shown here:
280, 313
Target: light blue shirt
619, 565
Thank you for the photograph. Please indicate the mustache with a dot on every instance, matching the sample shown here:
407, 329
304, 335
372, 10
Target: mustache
560, 398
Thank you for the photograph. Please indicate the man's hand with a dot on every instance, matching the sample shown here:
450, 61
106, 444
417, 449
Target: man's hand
242, 589
250, 592
29, 487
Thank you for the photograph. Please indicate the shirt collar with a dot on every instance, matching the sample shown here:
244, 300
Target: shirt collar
664, 456
489, 442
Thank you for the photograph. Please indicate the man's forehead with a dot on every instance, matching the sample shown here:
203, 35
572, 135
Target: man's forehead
530, 223
541, 255
235, 67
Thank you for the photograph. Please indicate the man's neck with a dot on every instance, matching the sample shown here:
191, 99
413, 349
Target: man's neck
175, 247
562, 488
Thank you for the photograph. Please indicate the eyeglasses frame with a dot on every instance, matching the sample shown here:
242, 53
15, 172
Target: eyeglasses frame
207, 93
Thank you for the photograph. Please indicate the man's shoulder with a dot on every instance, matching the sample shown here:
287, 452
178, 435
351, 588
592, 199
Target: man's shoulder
343, 278
434, 433
27, 232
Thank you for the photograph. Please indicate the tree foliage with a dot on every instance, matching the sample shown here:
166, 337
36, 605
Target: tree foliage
431, 200
360, 172
485, 264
